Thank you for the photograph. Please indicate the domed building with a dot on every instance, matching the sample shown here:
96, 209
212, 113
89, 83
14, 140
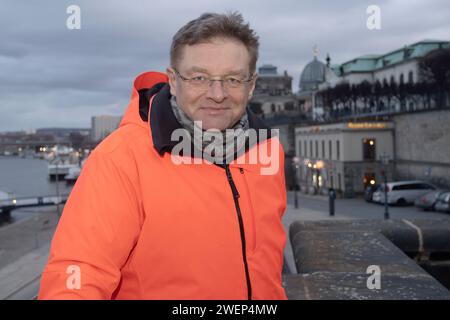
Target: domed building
311, 77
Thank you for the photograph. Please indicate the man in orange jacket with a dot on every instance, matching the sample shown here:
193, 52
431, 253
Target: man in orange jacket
185, 199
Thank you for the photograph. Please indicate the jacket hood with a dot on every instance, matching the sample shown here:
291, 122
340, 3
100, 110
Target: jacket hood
146, 80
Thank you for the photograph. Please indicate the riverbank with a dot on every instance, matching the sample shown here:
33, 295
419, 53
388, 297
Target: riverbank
24, 247
19, 238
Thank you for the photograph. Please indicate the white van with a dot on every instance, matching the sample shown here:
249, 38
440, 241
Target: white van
403, 192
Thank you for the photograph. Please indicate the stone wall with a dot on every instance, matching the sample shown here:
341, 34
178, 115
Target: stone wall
333, 259
422, 146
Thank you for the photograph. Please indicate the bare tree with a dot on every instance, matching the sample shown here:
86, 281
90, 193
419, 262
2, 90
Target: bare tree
365, 90
435, 69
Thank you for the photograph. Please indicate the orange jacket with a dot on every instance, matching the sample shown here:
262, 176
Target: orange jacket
137, 226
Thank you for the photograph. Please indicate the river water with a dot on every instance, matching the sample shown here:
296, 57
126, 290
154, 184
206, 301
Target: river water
27, 178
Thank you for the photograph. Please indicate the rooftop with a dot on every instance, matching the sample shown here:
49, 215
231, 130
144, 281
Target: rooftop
372, 62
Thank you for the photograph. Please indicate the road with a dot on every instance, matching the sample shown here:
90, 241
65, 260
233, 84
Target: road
355, 208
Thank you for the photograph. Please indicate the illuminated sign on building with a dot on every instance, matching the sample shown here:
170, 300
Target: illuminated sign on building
367, 125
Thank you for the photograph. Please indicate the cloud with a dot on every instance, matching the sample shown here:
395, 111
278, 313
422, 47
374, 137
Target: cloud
52, 76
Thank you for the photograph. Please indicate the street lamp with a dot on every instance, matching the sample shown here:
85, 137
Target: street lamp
295, 163
385, 162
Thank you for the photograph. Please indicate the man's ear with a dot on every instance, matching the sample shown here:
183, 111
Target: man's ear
172, 81
253, 84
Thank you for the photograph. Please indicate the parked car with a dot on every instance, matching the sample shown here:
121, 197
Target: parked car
403, 192
369, 191
428, 200
443, 202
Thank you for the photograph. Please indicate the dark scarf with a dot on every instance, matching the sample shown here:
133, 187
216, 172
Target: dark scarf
217, 146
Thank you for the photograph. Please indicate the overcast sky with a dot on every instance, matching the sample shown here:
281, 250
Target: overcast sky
51, 76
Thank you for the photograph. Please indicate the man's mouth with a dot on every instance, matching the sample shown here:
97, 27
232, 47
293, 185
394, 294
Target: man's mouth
214, 110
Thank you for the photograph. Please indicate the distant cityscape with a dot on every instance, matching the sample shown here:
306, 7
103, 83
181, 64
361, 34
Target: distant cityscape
20, 142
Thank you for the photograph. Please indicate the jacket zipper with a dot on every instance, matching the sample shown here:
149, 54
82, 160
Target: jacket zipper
241, 228
252, 211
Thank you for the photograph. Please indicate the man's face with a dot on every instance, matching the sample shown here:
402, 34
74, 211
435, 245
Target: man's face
215, 105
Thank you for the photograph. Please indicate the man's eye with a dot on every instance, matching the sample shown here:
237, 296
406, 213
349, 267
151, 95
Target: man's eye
233, 81
198, 79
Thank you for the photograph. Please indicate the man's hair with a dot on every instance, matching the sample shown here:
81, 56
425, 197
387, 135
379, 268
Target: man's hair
213, 25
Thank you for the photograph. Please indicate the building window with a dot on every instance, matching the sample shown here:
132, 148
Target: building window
310, 149
402, 80
410, 77
300, 148
289, 105
330, 150
317, 149
323, 149
337, 150
369, 149
305, 146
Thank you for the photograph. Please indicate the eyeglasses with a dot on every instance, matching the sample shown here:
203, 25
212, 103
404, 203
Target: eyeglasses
203, 82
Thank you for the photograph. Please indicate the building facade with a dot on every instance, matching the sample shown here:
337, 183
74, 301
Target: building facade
269, 82
386, 78
275, 103
103, 125
346, 157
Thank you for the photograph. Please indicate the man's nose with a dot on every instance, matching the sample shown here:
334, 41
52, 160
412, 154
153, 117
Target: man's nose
216, 91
